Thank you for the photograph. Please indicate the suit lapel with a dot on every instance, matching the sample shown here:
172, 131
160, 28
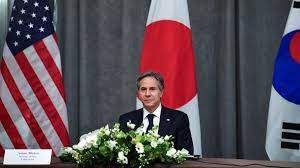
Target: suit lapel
139, 119
163, 121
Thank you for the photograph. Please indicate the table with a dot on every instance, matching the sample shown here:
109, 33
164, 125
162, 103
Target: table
199, 163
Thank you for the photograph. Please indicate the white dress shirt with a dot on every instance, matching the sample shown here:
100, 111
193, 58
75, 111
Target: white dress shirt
156, 118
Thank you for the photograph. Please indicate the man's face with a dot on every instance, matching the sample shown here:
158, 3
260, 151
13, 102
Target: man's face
149, 93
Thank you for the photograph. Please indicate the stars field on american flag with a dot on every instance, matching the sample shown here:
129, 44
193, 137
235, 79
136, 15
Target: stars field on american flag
30, 22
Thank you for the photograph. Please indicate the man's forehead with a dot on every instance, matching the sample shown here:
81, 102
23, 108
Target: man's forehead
149, 82
145, 86
149, 79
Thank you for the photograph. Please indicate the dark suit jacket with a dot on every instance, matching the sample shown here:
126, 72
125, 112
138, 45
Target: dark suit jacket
172, 122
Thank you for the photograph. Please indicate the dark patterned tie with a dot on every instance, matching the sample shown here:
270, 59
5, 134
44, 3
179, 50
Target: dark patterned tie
150, 119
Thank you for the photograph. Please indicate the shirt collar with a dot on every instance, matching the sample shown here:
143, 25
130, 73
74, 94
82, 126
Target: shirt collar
156, 112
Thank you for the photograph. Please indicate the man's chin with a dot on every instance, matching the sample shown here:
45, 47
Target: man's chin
150, 108
147, 106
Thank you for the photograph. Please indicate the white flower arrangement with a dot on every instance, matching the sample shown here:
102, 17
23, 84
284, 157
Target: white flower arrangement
108, 147
111, 144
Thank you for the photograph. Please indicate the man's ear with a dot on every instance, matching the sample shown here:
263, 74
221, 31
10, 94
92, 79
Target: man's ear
162, 92
137, 95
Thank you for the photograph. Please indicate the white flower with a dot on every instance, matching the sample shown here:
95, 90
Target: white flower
106, 130
84, 136
111, 144
140, 130
70, 151
141, 155
67, 150
154, 131
80, 146
86, 141
119, 135
171, 152
183, 152
139, 147
160, 141
130, 125
116, 128
167, 137
122, 158
75, 155
91, 140
153, 144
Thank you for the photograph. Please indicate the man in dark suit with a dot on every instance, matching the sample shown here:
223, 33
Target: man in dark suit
150, 87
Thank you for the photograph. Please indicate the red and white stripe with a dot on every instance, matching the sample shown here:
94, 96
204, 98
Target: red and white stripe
33, 110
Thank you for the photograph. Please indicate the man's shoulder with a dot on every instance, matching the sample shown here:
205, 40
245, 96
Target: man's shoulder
130, 114
178, 117
133, 116
174, 112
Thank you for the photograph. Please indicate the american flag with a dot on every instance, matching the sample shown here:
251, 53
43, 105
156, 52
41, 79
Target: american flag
33, 110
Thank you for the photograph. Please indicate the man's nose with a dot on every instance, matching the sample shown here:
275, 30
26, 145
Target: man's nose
147, 92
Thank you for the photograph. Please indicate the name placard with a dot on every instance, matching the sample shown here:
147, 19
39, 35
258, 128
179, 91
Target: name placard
27, 157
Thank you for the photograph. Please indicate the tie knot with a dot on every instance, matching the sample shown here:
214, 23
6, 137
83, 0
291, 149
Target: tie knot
150, 116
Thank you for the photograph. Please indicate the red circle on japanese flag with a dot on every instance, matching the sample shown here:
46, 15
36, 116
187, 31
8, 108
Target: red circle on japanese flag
168, 50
